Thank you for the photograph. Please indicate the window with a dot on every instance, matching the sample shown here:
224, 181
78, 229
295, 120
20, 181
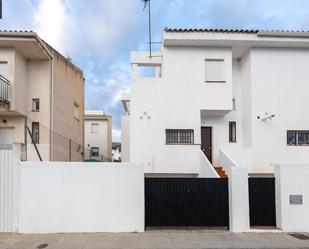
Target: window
4, 69
149, 71
35, 104
76, 111
174, 136
232, 132
94, 151
297, 137
36, 132
94, 128
214, 70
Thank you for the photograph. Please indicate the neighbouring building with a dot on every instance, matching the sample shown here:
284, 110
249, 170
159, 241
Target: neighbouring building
215, 94
98, 136
41, 93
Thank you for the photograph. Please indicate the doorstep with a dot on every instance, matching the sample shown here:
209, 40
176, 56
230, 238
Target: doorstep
262, 229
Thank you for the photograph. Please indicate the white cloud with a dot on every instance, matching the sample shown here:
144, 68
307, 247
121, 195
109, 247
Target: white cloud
94, 34
54, 23
95, 28
116, 133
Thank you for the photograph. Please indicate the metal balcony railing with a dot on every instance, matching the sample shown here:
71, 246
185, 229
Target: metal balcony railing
4, 90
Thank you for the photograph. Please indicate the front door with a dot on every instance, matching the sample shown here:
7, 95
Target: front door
206, 143
262, 201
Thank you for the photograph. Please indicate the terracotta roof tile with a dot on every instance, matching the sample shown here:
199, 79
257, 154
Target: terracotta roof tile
213, 30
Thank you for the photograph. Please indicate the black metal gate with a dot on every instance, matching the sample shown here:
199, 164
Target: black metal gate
186, 202
262, 201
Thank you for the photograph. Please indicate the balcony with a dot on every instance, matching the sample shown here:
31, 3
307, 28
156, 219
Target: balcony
4, 90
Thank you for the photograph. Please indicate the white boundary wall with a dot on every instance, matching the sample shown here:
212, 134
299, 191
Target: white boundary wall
292, 180
58, 197
8, 191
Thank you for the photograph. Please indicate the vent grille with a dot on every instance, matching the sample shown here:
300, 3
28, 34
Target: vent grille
301, 236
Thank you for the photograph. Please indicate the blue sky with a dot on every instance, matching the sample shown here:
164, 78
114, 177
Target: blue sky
99, 34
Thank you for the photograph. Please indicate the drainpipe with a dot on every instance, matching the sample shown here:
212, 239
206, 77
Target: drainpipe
51, 125
25, 137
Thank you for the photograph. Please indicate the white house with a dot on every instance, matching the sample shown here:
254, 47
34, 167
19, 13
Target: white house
98, 135
217, 93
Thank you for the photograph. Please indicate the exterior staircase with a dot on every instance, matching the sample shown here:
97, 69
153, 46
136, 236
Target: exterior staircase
221, 172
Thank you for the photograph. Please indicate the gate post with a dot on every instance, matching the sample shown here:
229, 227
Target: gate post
238, 199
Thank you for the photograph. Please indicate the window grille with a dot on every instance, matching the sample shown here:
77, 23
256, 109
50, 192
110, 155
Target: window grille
179, 136
232, 132
35, 104
36, 132
298, 137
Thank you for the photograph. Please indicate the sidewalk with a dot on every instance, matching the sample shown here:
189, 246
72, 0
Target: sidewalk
152, 239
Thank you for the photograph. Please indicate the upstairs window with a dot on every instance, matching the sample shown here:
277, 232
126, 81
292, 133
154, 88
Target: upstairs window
35, 132
214, 71
4, 69
76, 111
232, 132
298, 137
176, 136
149, 71
35, 105
94, 128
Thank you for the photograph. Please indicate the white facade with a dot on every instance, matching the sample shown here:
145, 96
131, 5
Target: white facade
210, 78
98, 135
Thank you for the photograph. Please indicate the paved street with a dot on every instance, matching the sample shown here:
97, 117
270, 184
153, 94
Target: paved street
152, 239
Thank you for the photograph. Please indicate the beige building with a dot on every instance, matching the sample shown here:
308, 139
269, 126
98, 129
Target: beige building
41, 93
98, 135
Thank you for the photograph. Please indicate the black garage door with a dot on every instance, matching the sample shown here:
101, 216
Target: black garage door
262, 201
186, 202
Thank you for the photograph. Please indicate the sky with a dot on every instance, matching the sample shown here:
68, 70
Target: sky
98, 35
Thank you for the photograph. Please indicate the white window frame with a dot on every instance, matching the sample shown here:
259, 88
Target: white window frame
96, 125
35, 101
6, 73
232, 132
210, 80
76, 111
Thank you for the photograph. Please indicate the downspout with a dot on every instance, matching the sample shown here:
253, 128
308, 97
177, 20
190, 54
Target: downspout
51, 125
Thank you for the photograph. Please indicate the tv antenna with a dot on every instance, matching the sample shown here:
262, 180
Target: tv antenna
147, 3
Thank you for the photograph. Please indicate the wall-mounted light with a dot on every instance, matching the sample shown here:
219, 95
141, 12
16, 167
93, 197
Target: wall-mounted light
266, 117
